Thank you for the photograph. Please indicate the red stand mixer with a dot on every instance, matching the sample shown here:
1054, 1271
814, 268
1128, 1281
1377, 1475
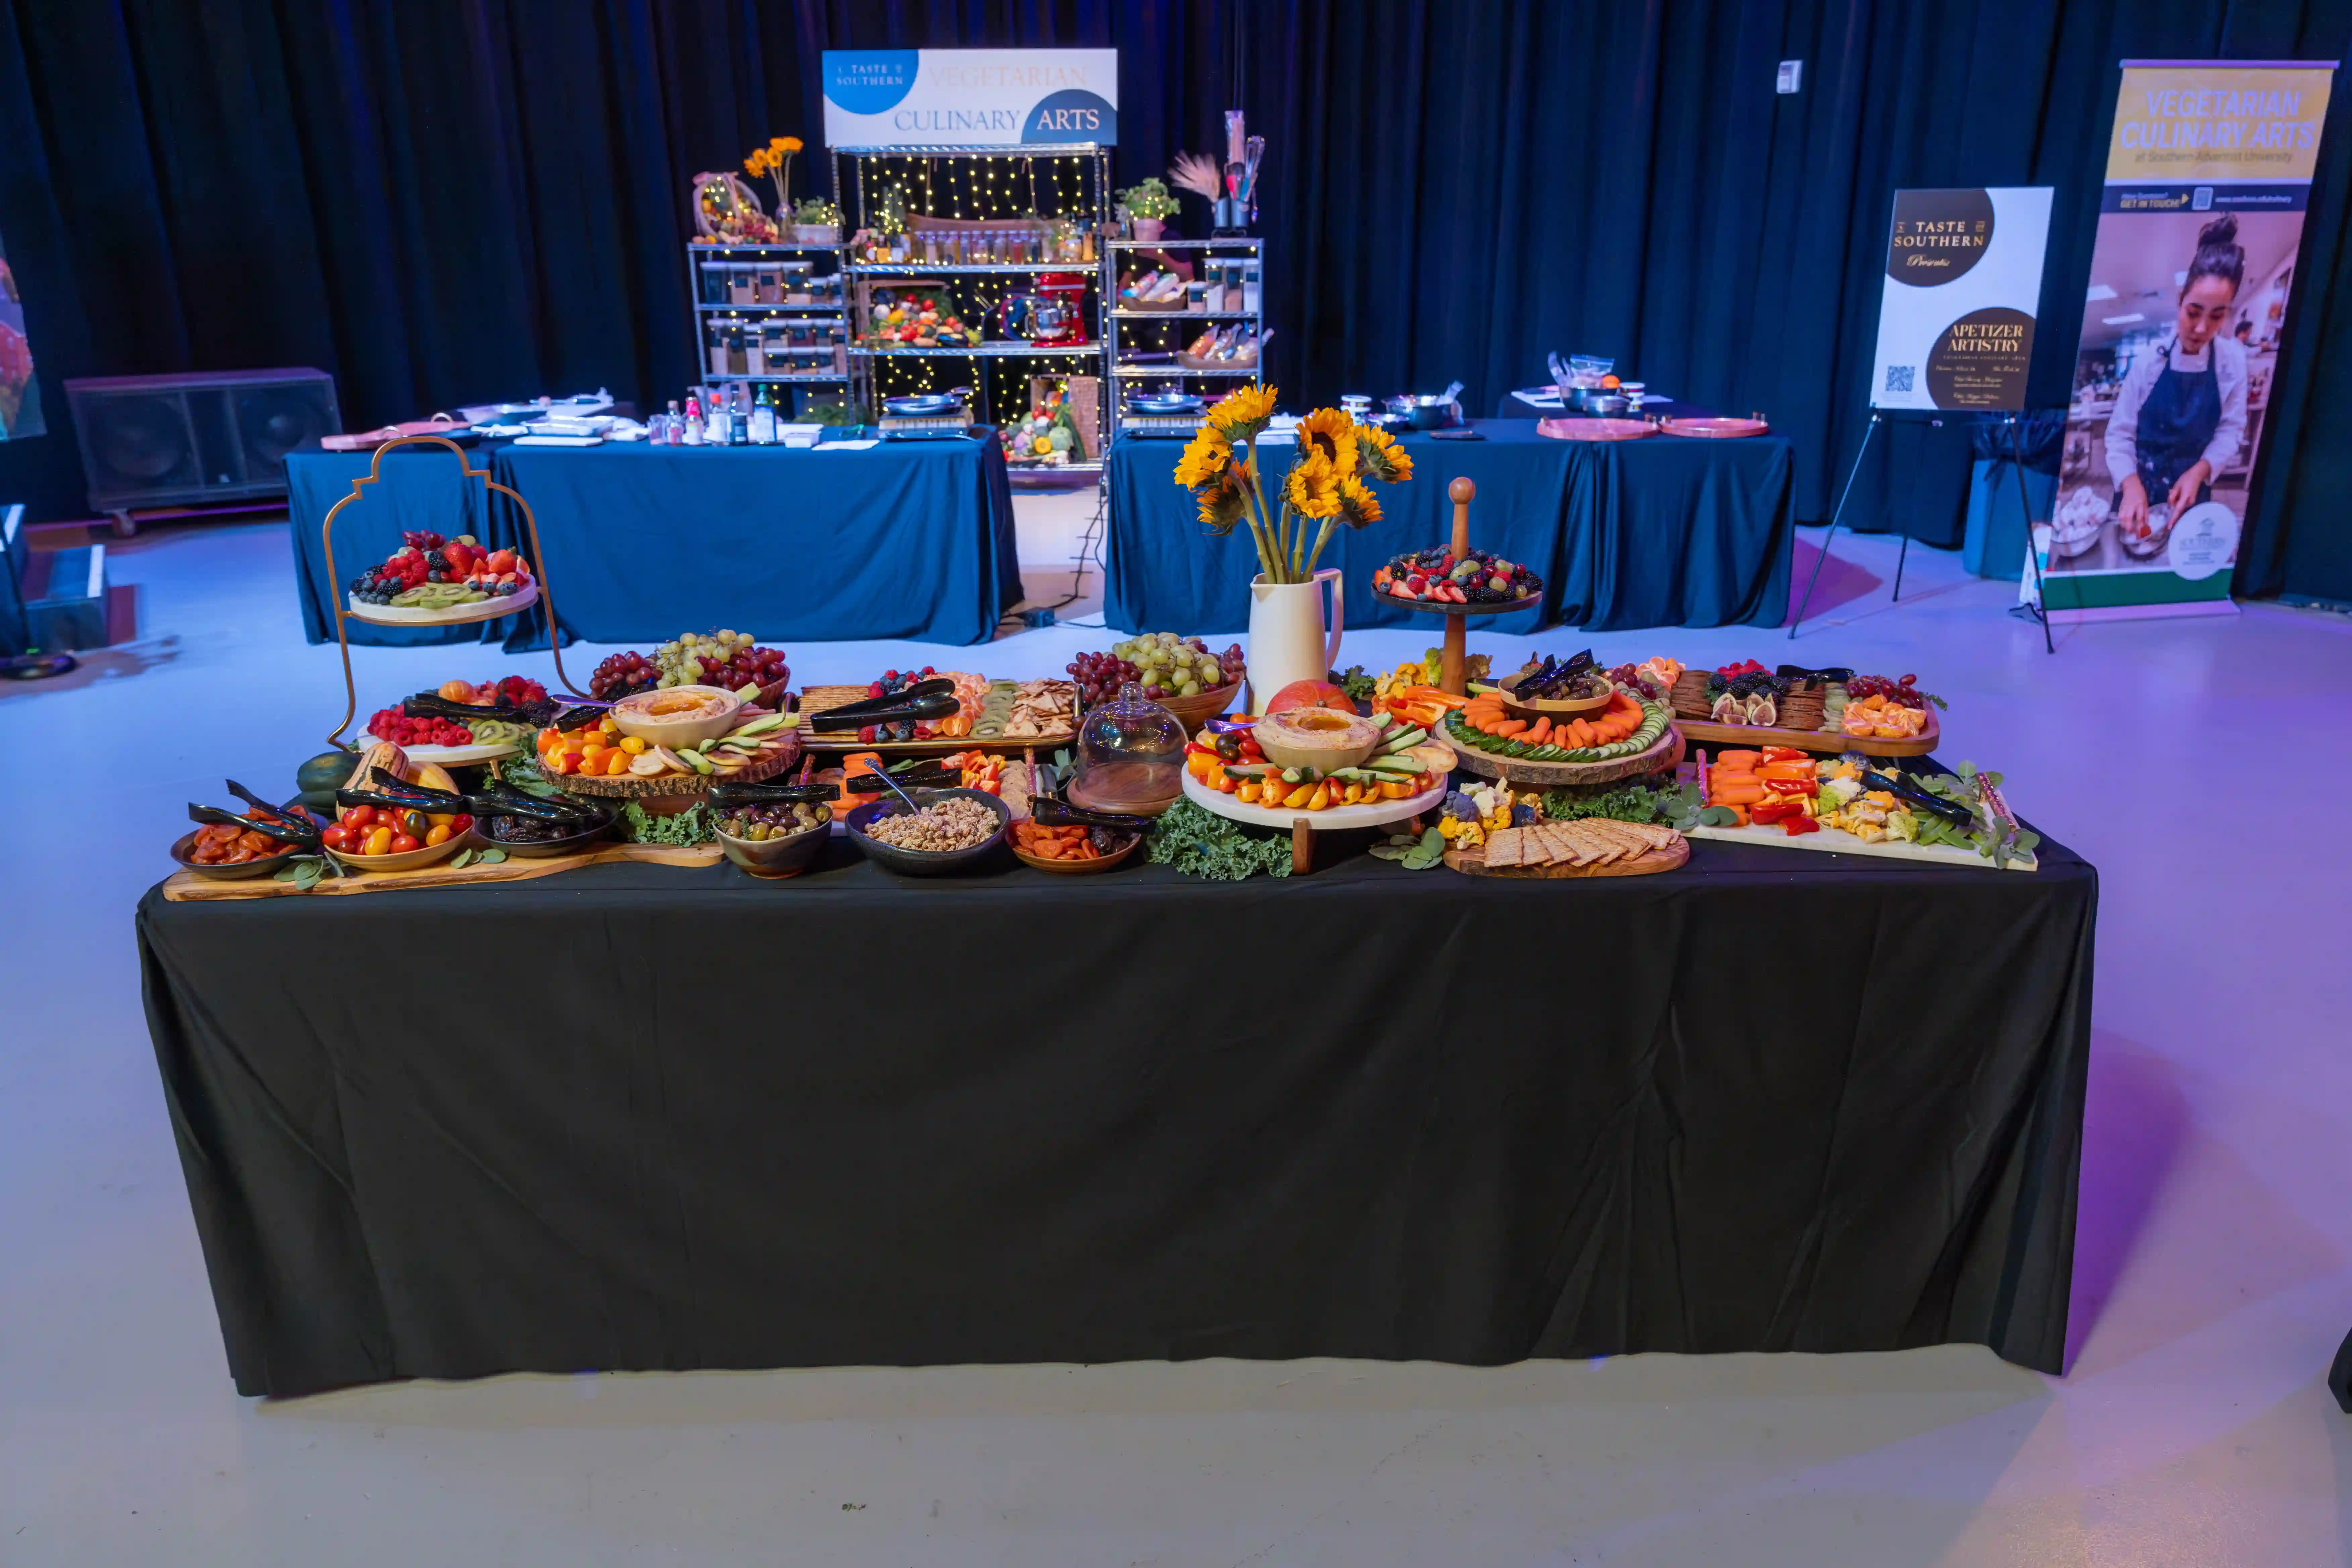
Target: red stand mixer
1052, 317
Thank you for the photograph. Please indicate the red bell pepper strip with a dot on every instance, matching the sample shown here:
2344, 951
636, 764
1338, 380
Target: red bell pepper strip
1792, 786
1798, 827
1770, 811
1784, 754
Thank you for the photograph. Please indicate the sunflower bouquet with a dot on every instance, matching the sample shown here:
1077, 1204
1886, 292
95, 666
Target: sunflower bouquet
1327, 484
775, 158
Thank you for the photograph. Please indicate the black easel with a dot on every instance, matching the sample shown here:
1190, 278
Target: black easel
2015, 455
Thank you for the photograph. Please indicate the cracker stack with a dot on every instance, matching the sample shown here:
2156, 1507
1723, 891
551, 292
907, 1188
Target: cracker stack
1592, 841
1689, 695
1802, 708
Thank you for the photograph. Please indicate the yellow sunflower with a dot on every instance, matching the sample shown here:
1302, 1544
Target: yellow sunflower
1223, 503
784, 143
1379, 455
1331, 434
1243, 414
1312, 488
1207, 458
1357, 505
758, 162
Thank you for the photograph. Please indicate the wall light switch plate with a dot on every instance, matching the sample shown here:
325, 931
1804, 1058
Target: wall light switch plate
1793, 77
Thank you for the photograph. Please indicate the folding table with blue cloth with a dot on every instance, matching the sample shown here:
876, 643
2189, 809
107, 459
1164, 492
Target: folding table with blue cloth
909, 538
1659, 531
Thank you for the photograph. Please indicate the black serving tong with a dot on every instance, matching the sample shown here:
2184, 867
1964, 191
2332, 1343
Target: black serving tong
1053, 811
1552, 676
930, 777
1836, 674
732, 794
933, 699
428, 705
303, 835
1907, 789
584, 713
501, 801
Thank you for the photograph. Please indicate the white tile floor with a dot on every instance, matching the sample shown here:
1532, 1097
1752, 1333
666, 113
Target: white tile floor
2194, 762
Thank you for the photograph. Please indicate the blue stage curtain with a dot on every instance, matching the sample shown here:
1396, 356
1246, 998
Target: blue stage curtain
448, 204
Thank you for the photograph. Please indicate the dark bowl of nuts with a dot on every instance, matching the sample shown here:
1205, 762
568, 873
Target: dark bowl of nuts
954, 830
774, 839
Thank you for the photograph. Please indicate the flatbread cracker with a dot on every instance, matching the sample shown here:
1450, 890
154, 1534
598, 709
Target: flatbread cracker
1506, 847
1585, 845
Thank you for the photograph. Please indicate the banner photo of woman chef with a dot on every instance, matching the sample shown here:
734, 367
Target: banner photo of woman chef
2201, 221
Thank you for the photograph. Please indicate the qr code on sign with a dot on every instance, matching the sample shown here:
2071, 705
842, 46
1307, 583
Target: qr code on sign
1899, 376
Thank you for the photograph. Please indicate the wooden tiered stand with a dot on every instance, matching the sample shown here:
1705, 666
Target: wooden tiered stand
1453, 658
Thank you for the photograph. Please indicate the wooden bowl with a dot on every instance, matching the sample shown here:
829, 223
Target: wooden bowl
1200, 707
1078, 867
1547, 706
416, 860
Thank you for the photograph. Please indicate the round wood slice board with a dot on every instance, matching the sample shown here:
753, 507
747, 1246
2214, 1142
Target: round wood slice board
1472, 862
1832, 741
409, 615
632, 786
1666, 752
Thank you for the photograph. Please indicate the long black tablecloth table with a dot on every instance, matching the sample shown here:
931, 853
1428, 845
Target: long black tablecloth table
659, 1118
1662, 532
907, 539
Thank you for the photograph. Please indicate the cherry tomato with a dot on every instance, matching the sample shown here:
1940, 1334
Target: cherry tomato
358, 815
462, 823
379, 841
336, 838
411, 824
402, 843
438, 835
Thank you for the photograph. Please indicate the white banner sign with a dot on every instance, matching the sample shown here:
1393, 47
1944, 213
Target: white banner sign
967, 97
1955, 315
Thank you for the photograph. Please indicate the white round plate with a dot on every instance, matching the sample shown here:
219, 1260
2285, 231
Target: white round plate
409, 615
1372, 814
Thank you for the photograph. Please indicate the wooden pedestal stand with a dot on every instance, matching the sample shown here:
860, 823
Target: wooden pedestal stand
1455, 654
382, 614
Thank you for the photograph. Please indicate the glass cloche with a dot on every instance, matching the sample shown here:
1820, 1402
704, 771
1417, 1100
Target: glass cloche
1131, 756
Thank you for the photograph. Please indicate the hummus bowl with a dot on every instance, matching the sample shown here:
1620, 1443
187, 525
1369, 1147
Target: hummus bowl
1321, 738
677, 716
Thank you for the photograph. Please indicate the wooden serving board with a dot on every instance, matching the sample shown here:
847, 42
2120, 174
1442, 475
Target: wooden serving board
816, 700
186, 887
1836, 841
1831, 741
1472, 862
774, 760
1665, 752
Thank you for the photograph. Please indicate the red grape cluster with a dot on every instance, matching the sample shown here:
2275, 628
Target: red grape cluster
1099, 676
746, 666
1906, 691
391, 724
620, 674
1629, 676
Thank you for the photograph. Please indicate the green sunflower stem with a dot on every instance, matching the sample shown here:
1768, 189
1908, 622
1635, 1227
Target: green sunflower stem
1322, 537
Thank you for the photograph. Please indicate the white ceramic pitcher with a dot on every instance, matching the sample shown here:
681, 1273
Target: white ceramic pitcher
1286, 640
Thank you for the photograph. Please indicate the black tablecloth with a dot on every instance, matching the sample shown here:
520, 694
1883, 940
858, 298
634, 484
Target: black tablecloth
640, 1118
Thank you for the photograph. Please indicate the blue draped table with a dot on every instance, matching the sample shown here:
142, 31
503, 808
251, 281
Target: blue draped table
1625, 534
908, 539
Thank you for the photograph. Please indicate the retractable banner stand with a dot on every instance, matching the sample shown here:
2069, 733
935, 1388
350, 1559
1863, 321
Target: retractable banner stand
970, 97
2209, 172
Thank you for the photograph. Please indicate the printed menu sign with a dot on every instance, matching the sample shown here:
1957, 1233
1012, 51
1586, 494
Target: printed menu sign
1956, 314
